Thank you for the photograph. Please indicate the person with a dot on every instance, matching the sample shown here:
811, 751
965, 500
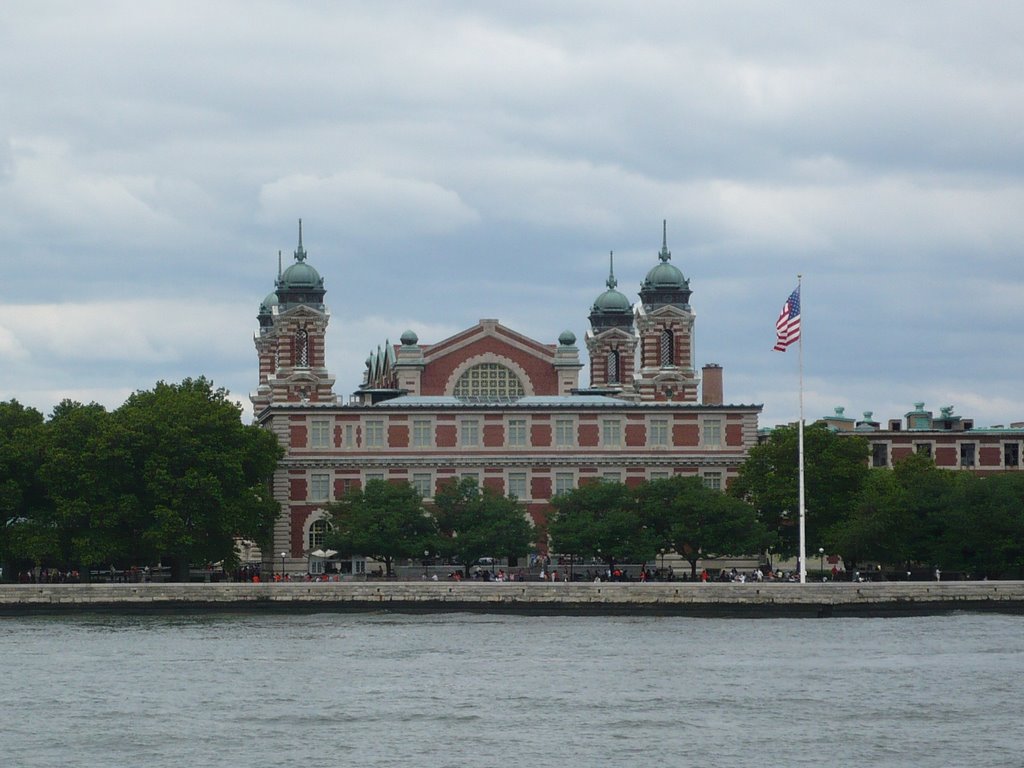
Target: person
938, 574
704, 575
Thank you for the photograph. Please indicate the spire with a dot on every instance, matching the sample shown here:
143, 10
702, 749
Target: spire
279, 265
665, 254
612, 282
300, 252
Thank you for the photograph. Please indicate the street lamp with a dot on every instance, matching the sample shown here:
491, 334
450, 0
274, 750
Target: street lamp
283, 555
821, 564
662, 569
426, 556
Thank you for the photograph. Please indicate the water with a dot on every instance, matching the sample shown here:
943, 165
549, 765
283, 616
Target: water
470, 690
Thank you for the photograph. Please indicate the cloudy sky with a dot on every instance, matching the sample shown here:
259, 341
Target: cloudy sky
453, 161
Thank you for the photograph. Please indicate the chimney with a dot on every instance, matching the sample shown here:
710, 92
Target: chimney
711, 389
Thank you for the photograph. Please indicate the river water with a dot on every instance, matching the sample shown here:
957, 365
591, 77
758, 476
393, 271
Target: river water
473, 690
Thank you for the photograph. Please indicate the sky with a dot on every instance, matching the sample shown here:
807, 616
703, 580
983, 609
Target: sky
453, 161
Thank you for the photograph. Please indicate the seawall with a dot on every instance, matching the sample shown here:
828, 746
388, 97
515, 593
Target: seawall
675, 598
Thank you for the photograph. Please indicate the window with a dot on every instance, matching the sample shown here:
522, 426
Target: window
565, 433
564, 482
923, 449
713, 433
879, 455
374, 433
713, 480
320, 433
301, 348
317, 531
1011, 454
474, 476
470, 433
349, 439
421, 482
612, 477
374, 476
489, 380
319, 487
967, 454
516, 433
422, 433
657, 433
611, 433
613, 367
517, 485
660, 474
668, 356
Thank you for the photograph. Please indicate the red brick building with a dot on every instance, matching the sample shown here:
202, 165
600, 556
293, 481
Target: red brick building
492, 404
952, 441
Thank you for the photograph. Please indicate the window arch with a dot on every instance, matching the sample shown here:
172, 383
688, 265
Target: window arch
667, 348
317, 530
489, 380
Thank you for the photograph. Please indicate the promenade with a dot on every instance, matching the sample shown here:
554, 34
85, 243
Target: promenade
673, 598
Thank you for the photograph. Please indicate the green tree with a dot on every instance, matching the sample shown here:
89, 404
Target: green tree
699, 522
23, 538
481, 523
601, 520
982, 528
835, 467
384, 521
898, 516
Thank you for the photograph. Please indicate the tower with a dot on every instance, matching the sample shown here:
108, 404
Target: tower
290, 344
611, 343
664, 322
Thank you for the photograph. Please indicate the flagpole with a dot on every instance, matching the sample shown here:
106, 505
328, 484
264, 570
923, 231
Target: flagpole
800, 451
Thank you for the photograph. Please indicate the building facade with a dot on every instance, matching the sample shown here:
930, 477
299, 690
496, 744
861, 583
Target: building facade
951, 441
492, 404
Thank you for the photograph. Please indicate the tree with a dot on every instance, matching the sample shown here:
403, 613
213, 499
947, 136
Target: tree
480, 523
383, 521
899, 514
601, 520
698, 522
835, 467
982, 530
22, 494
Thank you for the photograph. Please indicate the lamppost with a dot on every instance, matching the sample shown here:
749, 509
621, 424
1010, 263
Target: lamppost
426, 556
821, 562
283, 555
662, 569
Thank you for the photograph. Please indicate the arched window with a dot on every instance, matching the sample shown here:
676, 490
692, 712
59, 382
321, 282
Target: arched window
668, 356
613, 367
316, 533
489, 380
301, 348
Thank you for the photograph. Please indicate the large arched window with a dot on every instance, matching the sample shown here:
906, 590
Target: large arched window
668, 352
316, 533
301, 348
613, 367
489, 380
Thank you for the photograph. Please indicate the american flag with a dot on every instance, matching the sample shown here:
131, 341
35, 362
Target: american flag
787, 327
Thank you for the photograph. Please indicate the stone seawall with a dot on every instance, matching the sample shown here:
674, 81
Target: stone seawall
683, 599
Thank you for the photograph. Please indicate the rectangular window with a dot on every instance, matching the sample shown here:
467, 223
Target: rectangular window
612, 477
564, 482
374, 437
660, 474
1011, 454
422, 433
374, 476
967, 454
517, 484
565, 433
516, 433
713, 480
611, 433
320, 433
319, 487
879, 455
421, 482
923, 449
471, 476
349, 439
713, 433
658, 432
470, 433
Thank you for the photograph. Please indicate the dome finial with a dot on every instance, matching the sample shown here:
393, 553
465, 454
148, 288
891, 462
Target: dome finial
611, 282
665, 254
300, 252
279, 264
